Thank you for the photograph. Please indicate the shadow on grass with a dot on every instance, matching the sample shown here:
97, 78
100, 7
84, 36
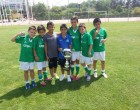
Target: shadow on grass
49, 89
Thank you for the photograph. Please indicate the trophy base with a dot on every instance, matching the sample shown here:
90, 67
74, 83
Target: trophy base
67, 65
66, 68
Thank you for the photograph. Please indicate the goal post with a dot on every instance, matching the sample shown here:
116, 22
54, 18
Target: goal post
91, 14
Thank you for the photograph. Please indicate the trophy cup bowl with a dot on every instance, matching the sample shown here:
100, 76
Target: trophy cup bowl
22, 34
67, 55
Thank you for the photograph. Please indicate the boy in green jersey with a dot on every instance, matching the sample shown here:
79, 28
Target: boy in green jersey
26, 54
87, 51
39, 54
76, 46
99, 36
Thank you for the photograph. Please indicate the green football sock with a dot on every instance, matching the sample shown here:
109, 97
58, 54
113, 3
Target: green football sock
89, 71
72, 69
40, 77
77, 69
86, 69
32, 80
45, 74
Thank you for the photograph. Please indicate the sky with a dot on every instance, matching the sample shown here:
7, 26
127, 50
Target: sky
58, 2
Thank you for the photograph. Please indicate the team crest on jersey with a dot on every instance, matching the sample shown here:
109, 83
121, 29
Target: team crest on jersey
25, 42
67, 40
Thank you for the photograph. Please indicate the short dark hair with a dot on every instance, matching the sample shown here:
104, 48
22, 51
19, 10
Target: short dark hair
32, 28
82, 25
50, 23
74, 18
63, 26
40, 27
96, 20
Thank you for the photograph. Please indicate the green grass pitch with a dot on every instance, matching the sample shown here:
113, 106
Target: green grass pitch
121, 91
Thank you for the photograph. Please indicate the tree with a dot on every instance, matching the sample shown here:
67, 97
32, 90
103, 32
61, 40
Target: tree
40, 11
56, 12
136, 11
101, 5
119, 8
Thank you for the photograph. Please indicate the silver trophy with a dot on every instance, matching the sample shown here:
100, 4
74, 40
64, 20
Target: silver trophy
22, 34
67, 55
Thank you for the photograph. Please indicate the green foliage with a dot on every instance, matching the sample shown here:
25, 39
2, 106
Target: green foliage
101, 5
14, 11
119, 8
40, 11
115, 8
136, 11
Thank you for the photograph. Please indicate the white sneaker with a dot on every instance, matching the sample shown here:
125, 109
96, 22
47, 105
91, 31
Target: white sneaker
62, 77
88, 78
68, 78
95, 74
104, 75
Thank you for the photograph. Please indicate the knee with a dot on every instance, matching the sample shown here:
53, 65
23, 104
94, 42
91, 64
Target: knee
95, 61
83, 64
102, 62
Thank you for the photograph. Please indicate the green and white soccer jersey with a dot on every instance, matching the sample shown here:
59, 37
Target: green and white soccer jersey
38, 45
86, 41
26, 52
76, 39
98, 46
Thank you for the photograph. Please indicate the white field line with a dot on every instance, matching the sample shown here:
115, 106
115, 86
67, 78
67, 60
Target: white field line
68, 21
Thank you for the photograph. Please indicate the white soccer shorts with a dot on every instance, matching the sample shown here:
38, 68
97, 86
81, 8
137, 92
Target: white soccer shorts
99, 56
41, 65
75, 56
86, 60
27, 66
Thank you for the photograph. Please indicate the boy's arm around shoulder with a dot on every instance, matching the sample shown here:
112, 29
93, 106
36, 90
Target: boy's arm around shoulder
58, 44
34, 49
90, 42
70, 42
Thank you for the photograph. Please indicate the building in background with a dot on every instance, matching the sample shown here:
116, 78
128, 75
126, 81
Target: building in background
13, 4
12, 9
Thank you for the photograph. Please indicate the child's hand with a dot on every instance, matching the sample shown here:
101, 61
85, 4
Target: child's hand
97, 31
19, 34
89, 53
59, 49
103, 40
36, 58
